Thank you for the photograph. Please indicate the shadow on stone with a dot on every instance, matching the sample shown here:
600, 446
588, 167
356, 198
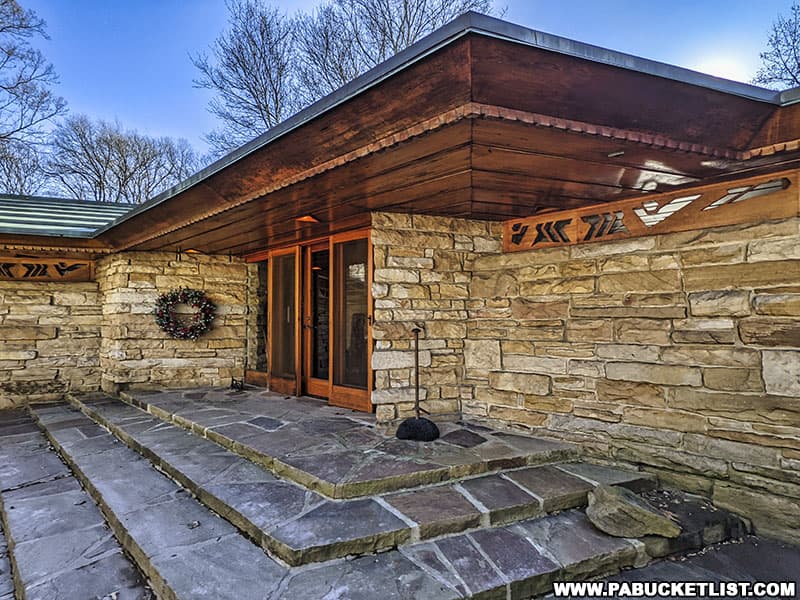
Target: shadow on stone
418, 429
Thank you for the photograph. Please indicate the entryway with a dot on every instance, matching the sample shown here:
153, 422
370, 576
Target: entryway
319, 336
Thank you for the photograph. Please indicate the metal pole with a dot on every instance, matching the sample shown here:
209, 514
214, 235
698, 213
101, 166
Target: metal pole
416, 332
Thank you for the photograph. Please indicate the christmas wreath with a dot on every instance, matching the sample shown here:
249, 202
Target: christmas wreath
177, 328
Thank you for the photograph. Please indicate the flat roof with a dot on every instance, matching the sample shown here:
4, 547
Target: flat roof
57, 217
467, 23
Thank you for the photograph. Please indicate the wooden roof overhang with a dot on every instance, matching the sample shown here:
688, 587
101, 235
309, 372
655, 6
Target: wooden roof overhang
486, 120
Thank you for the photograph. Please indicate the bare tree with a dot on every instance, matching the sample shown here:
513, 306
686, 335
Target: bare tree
21, 170
781, 61
26, 101
103, 162
265, 66
251, 71
345, 38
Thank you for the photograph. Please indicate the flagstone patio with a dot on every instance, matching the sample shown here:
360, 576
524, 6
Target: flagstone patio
338, 452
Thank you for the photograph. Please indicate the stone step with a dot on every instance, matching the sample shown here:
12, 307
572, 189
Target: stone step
338, 452
6, 580
300, 526
190, 552
55, 536
183, 548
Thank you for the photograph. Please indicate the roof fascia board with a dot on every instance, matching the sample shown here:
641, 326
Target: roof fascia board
469, 22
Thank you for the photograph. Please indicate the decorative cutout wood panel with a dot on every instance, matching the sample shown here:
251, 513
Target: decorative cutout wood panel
749, 200
45, 269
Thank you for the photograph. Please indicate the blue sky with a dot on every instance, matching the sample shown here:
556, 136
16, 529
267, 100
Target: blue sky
129, 59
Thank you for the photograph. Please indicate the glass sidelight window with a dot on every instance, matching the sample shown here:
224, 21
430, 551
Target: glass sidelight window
351, 298
283, 317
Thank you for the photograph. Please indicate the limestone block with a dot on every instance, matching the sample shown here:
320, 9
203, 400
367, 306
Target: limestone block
787, 305
589, 330
555, 287
394, 359
16, 355
773, 249
611, 248
27, 333
636, 352
578, 268
517, 415
770, 332
396, 275
529, 308
705, 355
446, 329
481, 356
642, 331
493, 262
650, 281
654, 312
668, 419
727, 253
397, 395
391, 220
601, 411
537, 272
520, 363
743, 276
781, 372
525, 383
741, 380
629, 392
730, 450
398, 290
651, 373
742, 407
704, 331
732, 303
674, 460
412, 239
493, 284
626, 263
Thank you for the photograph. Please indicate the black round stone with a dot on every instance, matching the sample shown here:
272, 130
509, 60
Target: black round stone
419, 430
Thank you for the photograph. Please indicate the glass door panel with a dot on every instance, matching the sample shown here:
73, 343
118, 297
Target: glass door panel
316, 321
351, 309
350, 368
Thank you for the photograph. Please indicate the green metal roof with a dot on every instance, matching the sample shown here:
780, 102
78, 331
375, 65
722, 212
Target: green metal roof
32, 215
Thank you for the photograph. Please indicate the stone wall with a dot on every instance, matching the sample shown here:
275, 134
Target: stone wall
49, 340
678, 352
135, 352
420, 280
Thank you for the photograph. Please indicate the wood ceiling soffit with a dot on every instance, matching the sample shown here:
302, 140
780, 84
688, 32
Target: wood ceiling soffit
469, 110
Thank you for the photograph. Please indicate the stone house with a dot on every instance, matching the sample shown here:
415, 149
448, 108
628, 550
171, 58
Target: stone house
596, 247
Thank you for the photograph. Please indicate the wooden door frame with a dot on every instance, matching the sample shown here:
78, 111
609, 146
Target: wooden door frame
284, 385
344, 396
312, 385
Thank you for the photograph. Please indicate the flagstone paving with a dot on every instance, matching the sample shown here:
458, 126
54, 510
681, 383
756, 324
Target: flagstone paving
338, 452
485, 535
300, 526
58, 538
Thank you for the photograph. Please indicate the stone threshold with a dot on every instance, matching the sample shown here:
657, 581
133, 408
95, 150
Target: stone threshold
339, 453
299, 526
